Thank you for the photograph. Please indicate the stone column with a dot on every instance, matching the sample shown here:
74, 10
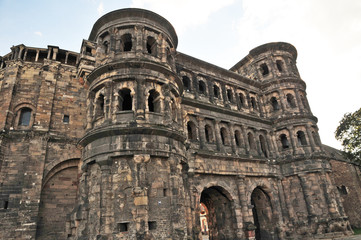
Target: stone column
326, 188
283, 105
293, 140
217, 134
232, 138
271, 148
106, 208
299, 101
37, 55
245, 137
55, 53
66, 57
202, 134
310, 138
307, 192
25, 54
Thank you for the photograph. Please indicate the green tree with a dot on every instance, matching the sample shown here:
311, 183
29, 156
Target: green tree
349, 133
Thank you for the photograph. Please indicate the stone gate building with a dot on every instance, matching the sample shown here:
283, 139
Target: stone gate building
131, 139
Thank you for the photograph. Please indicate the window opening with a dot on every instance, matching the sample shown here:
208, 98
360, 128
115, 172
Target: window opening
224, 136
229, 95
106, 47
253, 103
125, 100
25, 115
279, 65
202, 87
237, 137
275, 104
263, 145
152, 225
6, 204
154, 101
151, 46
30, 56
126, 42
208, 133
291, 100
241, 99
264, 69
88, 51
186, 83
342, 190
301, 138
66, 119
216, 91
191, 131
284, 141
123, 227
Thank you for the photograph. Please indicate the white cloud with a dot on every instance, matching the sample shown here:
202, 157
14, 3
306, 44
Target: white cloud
100, 9
183, 14
327, 35
38, 34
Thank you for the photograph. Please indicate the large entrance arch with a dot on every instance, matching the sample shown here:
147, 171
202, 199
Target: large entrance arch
220, 215
263, 215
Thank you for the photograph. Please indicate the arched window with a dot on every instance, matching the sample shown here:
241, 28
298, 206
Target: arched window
186, 83
154, 101
202, 87
151, 46
263, 145
125, 100
264, 69
301, 138
237, 138
209, 133
291, 100
251, 142
241, 99
253, 103
191, 129
216, 91
224, 136
229, 95
279, 65
284, 141
25, 116
275, 104
126, 42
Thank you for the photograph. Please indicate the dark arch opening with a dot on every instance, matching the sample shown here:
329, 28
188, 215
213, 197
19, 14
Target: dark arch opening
237, 137
151, 46
154, 101
262, 215
125, 100
186, 83
279, 64
263, 146
275, 104
291, 100
209, 133
224, 136
25, 116
251, 142
191, 130
301, 138
284, 141
241, 99
221, 218
202, 87
229, 95
216, 91
126, 42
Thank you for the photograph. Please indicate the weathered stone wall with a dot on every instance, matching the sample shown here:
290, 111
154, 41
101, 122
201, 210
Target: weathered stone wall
347, 177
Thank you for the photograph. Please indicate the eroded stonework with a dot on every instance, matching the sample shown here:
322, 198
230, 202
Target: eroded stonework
126, 140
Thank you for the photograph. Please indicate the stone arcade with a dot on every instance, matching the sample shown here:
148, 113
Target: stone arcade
131, 139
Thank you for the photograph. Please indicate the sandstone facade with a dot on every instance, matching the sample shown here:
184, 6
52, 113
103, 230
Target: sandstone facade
126, 140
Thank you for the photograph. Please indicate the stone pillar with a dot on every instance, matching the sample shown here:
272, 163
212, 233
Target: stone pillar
232, 138
37, 55
202, 134
106, 208
310, 138
271, 147
293, 140
283, 105
66, 57
283, 184
217, 134
248, 224
327, 192
245, 137
55, 53
307, 192
25, 54
299, 101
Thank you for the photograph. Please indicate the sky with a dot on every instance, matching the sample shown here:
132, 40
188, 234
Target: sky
326, 34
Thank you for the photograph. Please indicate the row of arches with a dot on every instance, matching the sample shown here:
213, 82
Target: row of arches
125, 40
243, 99
123, 99
253, 142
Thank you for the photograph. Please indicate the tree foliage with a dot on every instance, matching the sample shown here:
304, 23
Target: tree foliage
349, 133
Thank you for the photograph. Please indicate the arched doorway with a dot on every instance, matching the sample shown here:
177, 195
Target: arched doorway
262, 215
220, 216
57, 199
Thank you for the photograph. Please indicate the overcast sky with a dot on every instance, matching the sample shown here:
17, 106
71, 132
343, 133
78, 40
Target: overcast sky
326, 33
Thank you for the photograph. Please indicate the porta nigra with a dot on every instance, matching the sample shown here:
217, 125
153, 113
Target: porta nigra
131, 139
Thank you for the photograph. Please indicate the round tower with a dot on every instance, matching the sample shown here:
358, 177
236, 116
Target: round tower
284, 97
131, 185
